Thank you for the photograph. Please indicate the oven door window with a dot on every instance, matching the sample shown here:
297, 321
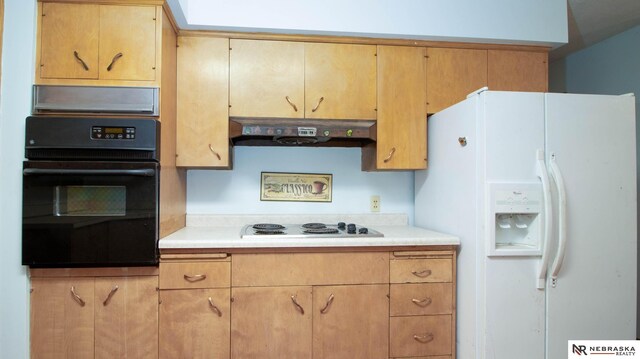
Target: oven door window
90, 201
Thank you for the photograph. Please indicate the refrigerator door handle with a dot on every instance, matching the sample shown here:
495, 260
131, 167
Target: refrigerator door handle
548, 215
562, 219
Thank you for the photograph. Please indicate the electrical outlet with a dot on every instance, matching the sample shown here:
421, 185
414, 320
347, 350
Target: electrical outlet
375, 204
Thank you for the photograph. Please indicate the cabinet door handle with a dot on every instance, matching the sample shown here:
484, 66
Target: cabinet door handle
422, 274
421, 303
298, 306
113, 291
318, 104
215, 153
84, 64
426, 338
325, 309
76, 297
295, 108
393, 150
113, 61
195, 277
214, 308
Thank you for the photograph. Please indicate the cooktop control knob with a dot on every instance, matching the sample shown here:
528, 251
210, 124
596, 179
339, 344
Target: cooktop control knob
363, 230
351, 228
341, 225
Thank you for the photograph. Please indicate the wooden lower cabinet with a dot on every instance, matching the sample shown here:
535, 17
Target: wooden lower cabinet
194, 323
271, 322
94, 317
351, 321
307, 305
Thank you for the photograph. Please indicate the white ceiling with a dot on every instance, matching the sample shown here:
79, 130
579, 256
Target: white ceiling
591, 21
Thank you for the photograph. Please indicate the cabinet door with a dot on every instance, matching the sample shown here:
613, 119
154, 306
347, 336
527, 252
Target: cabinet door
69, 41
62, 317
266, 79
340, 81
203, 102
194, 323
127, 42
271, 322
518, 71
351, 321
402, 112
126, 317
452, 74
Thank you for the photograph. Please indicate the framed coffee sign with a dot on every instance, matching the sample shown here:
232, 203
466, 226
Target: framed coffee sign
296, 187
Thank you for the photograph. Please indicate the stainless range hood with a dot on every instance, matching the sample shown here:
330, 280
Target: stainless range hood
245, 131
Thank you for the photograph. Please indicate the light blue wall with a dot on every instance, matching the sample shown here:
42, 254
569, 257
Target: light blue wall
17, 77
608, 67
238, 191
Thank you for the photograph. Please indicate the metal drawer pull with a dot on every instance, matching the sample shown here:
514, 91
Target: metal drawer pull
195, 278
295, 302
76, 297
422, 273
326, 306
113, 61
422, 303
214, 308
295, 108
84, 64
215, 153
318, 105
393, 150
113, 291
424, 338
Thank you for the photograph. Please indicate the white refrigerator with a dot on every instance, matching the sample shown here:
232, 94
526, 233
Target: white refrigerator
541, 190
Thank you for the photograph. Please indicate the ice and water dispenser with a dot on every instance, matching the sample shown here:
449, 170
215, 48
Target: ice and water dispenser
515, 219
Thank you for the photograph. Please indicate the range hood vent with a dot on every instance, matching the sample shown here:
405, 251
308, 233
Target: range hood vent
262, 131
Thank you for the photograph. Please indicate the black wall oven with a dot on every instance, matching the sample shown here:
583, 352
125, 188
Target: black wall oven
90, 192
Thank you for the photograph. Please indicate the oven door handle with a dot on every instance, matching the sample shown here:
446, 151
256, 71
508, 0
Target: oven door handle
146, 172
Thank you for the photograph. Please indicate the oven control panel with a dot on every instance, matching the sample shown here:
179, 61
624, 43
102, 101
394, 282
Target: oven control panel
113, 133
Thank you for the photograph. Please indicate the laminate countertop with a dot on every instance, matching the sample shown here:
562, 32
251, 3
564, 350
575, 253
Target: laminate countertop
202, 234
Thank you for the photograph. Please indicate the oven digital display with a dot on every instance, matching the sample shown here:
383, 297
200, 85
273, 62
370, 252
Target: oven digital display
114, 130
113, 133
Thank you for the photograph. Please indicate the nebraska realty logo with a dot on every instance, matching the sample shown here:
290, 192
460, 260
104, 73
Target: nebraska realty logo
603, 348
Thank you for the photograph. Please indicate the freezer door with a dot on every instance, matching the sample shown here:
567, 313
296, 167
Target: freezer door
592, 140
510, 308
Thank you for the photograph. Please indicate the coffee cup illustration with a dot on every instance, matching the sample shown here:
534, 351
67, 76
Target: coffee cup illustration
319, 187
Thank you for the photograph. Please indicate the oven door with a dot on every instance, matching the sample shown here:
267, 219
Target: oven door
89, 214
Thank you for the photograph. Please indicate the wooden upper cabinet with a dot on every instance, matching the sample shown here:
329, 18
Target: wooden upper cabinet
203, 102
127, 42
266, 79
340, 81
518, 71
402, 111
452, 74
69, 41
113, 43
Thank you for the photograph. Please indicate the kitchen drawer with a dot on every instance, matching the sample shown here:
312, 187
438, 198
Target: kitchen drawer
421, 299
421, 270
195, 275
420, 336
310, 269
